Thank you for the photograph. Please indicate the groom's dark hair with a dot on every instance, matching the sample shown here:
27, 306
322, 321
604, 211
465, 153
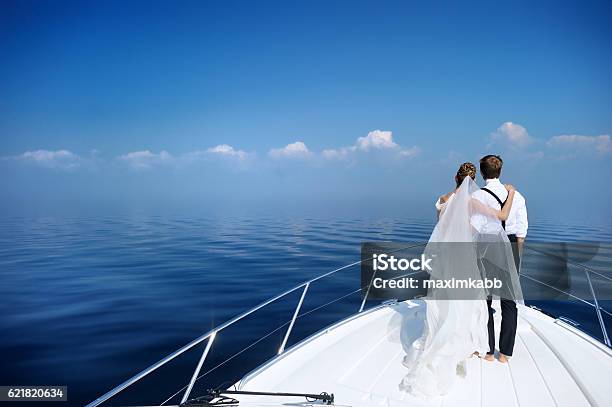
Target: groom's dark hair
490, 166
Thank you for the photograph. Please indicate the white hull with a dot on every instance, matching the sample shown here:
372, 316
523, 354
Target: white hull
359, 360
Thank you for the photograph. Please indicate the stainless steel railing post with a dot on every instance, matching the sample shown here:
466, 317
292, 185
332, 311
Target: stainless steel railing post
198, 367
365, 297
295, 314
598, 310
148, 370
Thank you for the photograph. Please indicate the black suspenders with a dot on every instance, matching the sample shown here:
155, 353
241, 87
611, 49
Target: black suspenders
501, 204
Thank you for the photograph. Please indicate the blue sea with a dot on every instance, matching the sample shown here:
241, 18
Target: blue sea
88, 302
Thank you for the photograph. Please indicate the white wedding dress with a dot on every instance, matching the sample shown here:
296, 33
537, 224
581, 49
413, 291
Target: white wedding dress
455, 327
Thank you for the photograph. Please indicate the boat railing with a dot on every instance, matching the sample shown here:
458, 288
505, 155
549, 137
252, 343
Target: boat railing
303, 289
588, 273
211, 334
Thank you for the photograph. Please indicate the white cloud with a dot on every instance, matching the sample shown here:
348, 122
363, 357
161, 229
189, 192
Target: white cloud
59, 159
409, 152
338, 154
142, 160
293, 150
228, 151
598, 144
222, 151
375, 140
511, 134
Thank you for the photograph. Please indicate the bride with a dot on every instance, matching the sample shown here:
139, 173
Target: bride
456, 321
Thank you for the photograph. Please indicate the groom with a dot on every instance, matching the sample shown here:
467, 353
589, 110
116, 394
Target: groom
494, 195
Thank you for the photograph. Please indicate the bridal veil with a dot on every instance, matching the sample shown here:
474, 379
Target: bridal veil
467, 244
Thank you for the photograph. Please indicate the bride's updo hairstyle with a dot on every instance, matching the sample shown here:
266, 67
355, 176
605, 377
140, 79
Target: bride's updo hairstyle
466, 169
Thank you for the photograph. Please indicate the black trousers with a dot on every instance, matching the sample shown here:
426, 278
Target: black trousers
509, 312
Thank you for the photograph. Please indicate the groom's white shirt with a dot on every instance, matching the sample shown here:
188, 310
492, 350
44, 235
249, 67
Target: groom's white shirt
517, 223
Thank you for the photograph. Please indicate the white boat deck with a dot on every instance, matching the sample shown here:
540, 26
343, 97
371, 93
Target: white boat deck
359, 361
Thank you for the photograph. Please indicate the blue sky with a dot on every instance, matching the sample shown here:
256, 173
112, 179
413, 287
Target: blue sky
305, 108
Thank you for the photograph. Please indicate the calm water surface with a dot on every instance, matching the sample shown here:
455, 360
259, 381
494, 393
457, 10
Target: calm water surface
89, 302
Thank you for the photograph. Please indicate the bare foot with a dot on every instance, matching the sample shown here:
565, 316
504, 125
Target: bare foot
503, 358
489, 357
476, 354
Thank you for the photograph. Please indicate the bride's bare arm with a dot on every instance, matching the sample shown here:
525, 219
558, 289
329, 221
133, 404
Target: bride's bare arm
443, 200
505, 212
499, 214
